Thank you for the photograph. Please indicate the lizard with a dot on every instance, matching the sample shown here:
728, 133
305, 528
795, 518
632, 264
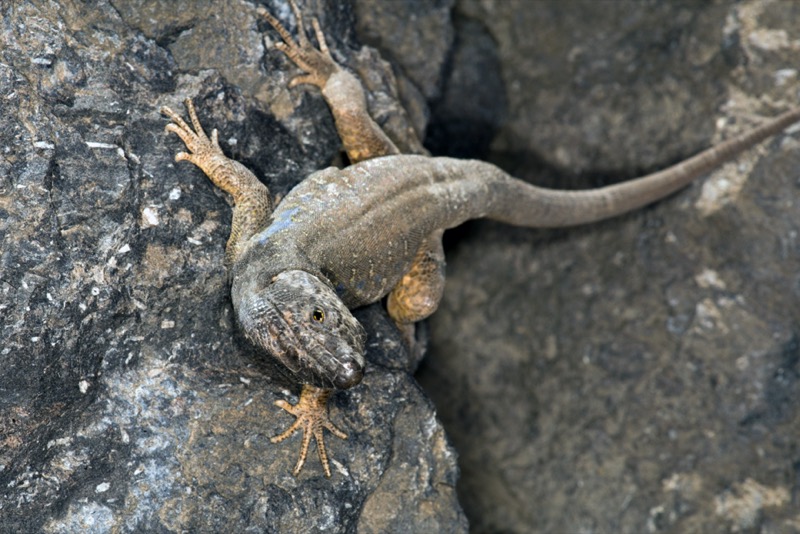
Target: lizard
348, 237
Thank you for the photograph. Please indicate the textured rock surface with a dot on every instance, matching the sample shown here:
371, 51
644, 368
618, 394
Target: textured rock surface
640, 375
128, 402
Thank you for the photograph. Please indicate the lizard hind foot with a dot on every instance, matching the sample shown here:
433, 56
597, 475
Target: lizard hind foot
318, 64
311, 412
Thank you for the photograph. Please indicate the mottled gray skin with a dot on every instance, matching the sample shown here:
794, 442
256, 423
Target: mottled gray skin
361, 226
344, 238
355, 232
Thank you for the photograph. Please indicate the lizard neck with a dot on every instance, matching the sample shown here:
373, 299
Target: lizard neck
259, 264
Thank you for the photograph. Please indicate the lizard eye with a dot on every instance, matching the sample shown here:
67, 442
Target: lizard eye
318, 315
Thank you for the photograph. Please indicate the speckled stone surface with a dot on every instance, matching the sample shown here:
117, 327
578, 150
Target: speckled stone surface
128, 400
639, 375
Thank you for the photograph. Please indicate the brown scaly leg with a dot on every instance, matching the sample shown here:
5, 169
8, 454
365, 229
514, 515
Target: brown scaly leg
311, 412
252, 204
416, 296
361, 136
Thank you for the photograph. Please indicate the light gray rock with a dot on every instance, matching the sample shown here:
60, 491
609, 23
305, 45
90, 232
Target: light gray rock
639, 375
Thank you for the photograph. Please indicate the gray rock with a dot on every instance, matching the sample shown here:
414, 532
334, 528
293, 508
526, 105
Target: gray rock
639, 375
416, 35
128, 400
472, 106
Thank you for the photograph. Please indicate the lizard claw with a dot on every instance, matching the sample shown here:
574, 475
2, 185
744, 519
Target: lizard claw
318, 64
311, 412
200, 146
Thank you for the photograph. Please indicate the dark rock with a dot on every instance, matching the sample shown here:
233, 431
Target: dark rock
588, 82
128, 400
416, 35
472, 106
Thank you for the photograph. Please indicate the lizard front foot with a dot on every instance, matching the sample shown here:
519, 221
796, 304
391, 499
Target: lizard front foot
202, 148
312, 416
318, 64
253, 203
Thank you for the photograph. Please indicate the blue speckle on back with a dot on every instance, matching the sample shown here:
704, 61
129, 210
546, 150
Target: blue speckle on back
282, 222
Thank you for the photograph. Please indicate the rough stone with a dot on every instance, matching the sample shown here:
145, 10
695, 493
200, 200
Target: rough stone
417, 35
128, 400
639, 375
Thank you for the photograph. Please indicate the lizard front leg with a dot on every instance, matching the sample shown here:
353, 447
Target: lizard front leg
361, 136
252, 204
311, 412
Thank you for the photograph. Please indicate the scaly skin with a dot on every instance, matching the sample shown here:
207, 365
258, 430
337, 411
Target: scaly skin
344, 238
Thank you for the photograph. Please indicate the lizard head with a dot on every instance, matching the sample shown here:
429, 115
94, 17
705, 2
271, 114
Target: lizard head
299, 319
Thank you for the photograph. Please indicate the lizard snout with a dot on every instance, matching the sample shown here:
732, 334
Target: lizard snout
348, 375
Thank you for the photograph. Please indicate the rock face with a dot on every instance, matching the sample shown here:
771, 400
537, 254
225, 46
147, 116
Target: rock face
128, 401
639, 375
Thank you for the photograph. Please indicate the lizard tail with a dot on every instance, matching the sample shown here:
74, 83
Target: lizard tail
521, 204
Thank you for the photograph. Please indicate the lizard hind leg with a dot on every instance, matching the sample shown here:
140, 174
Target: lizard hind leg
417, 294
